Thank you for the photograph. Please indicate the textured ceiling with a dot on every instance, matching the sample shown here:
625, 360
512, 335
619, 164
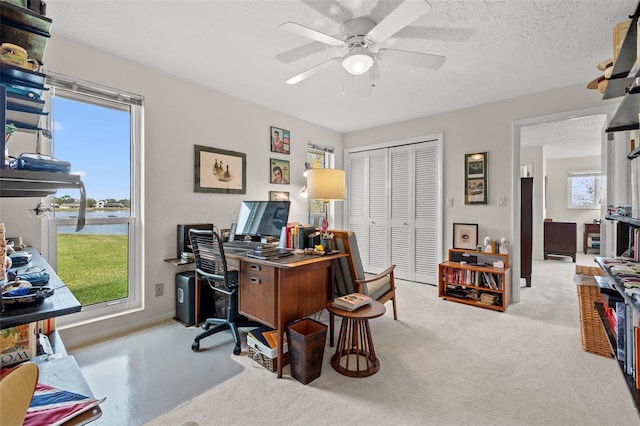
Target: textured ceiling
494, 49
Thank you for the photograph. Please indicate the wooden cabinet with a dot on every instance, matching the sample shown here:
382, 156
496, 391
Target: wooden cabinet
591, 237
560, 239
526, 229
257, 295
476, 282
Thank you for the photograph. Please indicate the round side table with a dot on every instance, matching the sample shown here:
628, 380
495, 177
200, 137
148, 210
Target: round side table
355, 355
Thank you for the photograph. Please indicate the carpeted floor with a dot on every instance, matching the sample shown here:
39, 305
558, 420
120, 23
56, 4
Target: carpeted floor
444, 363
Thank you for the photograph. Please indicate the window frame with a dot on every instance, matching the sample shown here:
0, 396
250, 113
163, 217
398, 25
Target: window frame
91, 93
594, 174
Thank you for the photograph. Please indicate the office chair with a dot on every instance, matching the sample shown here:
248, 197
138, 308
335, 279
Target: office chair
211, 266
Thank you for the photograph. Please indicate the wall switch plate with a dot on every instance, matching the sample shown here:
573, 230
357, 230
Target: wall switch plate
450, 202
502, 201
159, 289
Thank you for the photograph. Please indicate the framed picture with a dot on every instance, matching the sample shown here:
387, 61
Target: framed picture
475, 178
278, 196
280, 140
219, 170
279, 171
465, 236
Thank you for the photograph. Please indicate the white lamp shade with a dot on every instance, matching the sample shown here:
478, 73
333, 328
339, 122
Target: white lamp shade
325, 184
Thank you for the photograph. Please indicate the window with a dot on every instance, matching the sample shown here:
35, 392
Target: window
585, 190
318, 157
98, 130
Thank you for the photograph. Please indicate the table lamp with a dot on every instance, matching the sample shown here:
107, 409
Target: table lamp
326, 185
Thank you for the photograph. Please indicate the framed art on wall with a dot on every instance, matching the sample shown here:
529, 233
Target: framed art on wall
279, 171
278, 196
219, 170
465, 236
475, 178
280, 140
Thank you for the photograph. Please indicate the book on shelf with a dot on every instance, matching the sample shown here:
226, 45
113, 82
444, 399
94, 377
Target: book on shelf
351, 302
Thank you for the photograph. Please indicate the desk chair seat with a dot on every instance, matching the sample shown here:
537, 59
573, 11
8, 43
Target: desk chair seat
211, 266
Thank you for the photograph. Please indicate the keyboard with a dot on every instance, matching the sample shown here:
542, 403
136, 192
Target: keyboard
242, 244
271, 255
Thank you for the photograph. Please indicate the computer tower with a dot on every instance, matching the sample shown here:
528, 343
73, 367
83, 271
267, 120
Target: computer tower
186, 297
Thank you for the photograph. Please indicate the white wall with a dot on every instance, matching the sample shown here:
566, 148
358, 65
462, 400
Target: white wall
557, 173
179, 114
492, 127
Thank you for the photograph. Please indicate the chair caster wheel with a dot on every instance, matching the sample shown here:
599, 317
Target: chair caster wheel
195, 346
236, 350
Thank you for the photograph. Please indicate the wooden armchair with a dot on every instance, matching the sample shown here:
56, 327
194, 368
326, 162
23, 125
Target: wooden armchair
350, 275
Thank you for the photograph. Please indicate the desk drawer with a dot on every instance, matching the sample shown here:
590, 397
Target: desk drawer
257, 292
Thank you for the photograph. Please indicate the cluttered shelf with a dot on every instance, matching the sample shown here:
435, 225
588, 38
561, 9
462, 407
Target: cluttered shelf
62, 302
616, 312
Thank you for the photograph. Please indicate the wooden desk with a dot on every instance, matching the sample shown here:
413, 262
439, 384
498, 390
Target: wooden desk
589, 229
277, 292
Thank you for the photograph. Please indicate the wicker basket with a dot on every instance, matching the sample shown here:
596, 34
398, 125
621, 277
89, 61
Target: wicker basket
594, 339
270, 364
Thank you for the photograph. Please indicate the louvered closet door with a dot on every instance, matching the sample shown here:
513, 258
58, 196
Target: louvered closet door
402, 211
357, 199
377, 244
368, 207
413, 211
393, 208
426, 212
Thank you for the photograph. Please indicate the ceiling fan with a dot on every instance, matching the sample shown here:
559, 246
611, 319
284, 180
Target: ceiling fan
362, 36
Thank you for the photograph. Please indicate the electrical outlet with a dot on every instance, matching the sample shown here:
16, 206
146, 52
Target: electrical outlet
159, 289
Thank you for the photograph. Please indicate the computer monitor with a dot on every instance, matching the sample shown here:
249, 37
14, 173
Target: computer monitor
262, 219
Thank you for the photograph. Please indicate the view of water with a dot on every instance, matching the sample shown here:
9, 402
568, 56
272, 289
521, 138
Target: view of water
114, 229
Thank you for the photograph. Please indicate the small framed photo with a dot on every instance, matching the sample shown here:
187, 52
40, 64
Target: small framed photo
279, 171
278, 196
475, 178
280, 140
219, 170
465, 236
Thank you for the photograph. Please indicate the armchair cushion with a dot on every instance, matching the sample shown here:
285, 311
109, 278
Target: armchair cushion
377, 287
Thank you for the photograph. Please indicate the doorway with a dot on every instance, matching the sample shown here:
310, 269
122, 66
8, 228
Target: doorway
555, 138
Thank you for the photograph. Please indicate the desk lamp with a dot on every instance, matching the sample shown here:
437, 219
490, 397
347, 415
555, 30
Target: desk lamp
326, 185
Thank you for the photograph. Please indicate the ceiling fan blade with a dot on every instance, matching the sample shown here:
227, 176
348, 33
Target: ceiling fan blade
300, 52
416, 59
402, 16
331, 9
307, 32
311, 71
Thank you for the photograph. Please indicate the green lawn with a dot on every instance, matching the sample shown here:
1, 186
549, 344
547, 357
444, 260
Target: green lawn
94, 267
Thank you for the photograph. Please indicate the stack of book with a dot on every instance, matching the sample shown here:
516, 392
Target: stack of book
351, 302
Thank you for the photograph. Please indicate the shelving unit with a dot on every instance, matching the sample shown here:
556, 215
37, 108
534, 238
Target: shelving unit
31, 31
476, 283
614, 283
20, 104
624, 81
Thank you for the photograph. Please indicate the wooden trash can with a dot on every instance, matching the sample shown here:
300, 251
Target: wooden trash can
306, 339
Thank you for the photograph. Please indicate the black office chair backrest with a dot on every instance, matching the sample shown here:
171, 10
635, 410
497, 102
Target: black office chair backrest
210, 260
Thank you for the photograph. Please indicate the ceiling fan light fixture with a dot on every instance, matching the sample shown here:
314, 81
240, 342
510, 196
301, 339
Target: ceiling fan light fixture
357, 62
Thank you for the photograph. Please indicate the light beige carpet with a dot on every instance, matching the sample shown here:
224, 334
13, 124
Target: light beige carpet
444, 363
